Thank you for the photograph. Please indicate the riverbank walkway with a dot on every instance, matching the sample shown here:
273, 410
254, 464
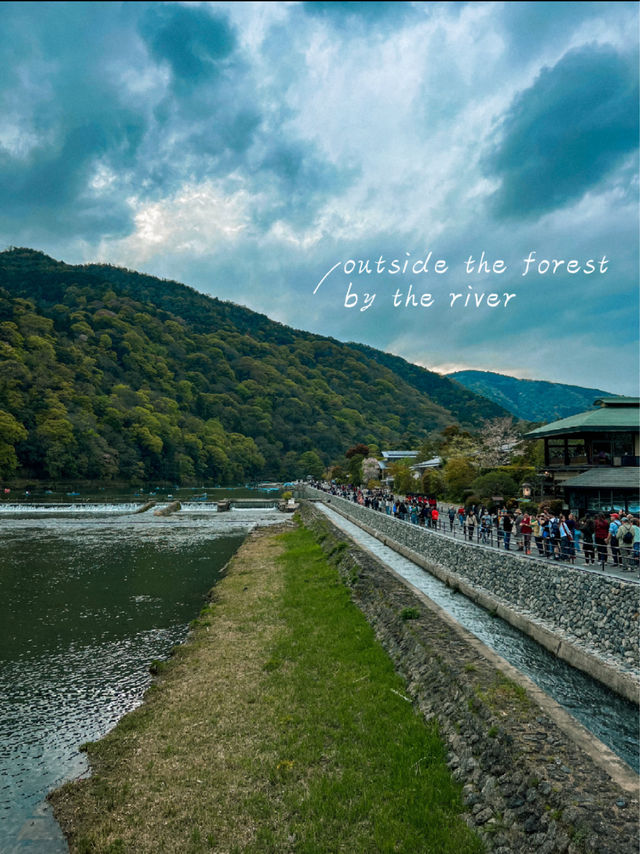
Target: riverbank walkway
492, 539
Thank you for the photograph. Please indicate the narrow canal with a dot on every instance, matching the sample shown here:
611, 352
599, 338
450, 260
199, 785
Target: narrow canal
611, 718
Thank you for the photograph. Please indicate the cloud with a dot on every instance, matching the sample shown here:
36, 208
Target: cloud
193, 41
245, 148
365, 12
548, 25
566, 133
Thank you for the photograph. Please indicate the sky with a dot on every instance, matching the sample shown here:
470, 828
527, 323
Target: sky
285, 155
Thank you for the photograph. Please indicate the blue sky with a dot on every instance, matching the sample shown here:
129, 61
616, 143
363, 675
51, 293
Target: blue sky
247, 149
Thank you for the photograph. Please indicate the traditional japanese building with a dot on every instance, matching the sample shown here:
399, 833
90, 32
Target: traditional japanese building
594, 456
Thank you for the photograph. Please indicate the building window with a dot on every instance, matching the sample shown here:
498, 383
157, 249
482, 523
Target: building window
577, 452
556, 452
601, 452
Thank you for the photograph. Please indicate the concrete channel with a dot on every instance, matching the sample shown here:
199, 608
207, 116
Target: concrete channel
606, 713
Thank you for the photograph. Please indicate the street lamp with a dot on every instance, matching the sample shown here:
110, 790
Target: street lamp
526, 490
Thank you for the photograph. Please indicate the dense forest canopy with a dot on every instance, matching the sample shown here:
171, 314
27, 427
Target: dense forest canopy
532, 400
110, 374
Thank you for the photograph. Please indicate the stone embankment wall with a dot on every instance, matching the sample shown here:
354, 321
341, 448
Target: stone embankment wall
586, 618
533, 781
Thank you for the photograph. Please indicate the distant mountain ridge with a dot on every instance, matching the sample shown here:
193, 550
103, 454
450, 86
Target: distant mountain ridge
530, 400
106, 373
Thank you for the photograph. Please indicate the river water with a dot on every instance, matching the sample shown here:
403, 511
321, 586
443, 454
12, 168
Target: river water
90, 594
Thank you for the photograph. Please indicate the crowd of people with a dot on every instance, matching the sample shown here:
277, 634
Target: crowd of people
606, 539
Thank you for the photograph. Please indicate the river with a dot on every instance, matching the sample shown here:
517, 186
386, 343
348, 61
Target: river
90, 595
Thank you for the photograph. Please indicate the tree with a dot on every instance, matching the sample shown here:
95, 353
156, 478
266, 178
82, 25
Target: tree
460, 447
311, 464
458, 474
358, 450
338, 474
403, 477
498, 441
495, 483
429, 448
354, 467
433, 483
370, 469
11, 431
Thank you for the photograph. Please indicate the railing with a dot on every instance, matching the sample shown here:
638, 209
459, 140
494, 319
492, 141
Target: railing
526, 546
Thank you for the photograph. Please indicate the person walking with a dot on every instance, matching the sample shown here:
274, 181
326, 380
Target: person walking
485, 526
526, 530
507, 528
554, 536
612, 539
517, 522
576, 533
536, 530
636, 542
472, 521
587, 529
545, 524
435, 515
625, 536
601, 533
566, 540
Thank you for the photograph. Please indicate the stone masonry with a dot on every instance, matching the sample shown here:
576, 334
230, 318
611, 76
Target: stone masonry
528, 787
587, 618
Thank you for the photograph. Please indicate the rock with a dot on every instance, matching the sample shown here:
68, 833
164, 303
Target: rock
169, 509
483, 816
532, 824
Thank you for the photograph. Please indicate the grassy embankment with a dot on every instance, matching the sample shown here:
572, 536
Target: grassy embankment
281, 726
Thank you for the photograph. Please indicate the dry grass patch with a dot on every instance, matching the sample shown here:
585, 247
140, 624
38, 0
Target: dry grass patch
171, 775
279, 727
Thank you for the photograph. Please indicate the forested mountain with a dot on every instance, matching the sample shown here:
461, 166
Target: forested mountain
109, 374
530, 400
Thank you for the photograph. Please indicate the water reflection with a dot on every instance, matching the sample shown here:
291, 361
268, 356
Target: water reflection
86, 603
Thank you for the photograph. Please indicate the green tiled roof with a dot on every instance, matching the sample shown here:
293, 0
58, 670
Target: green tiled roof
616, 414
623, 477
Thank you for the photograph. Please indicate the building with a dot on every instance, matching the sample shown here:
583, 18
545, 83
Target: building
594, 456
389, 457
433, 463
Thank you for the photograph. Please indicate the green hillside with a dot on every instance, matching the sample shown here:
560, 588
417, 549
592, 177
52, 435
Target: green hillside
530, 400
110, 374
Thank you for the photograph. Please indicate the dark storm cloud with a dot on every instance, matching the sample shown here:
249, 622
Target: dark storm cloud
191, 40
120, 101
299, 179
66, 111
566, 133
